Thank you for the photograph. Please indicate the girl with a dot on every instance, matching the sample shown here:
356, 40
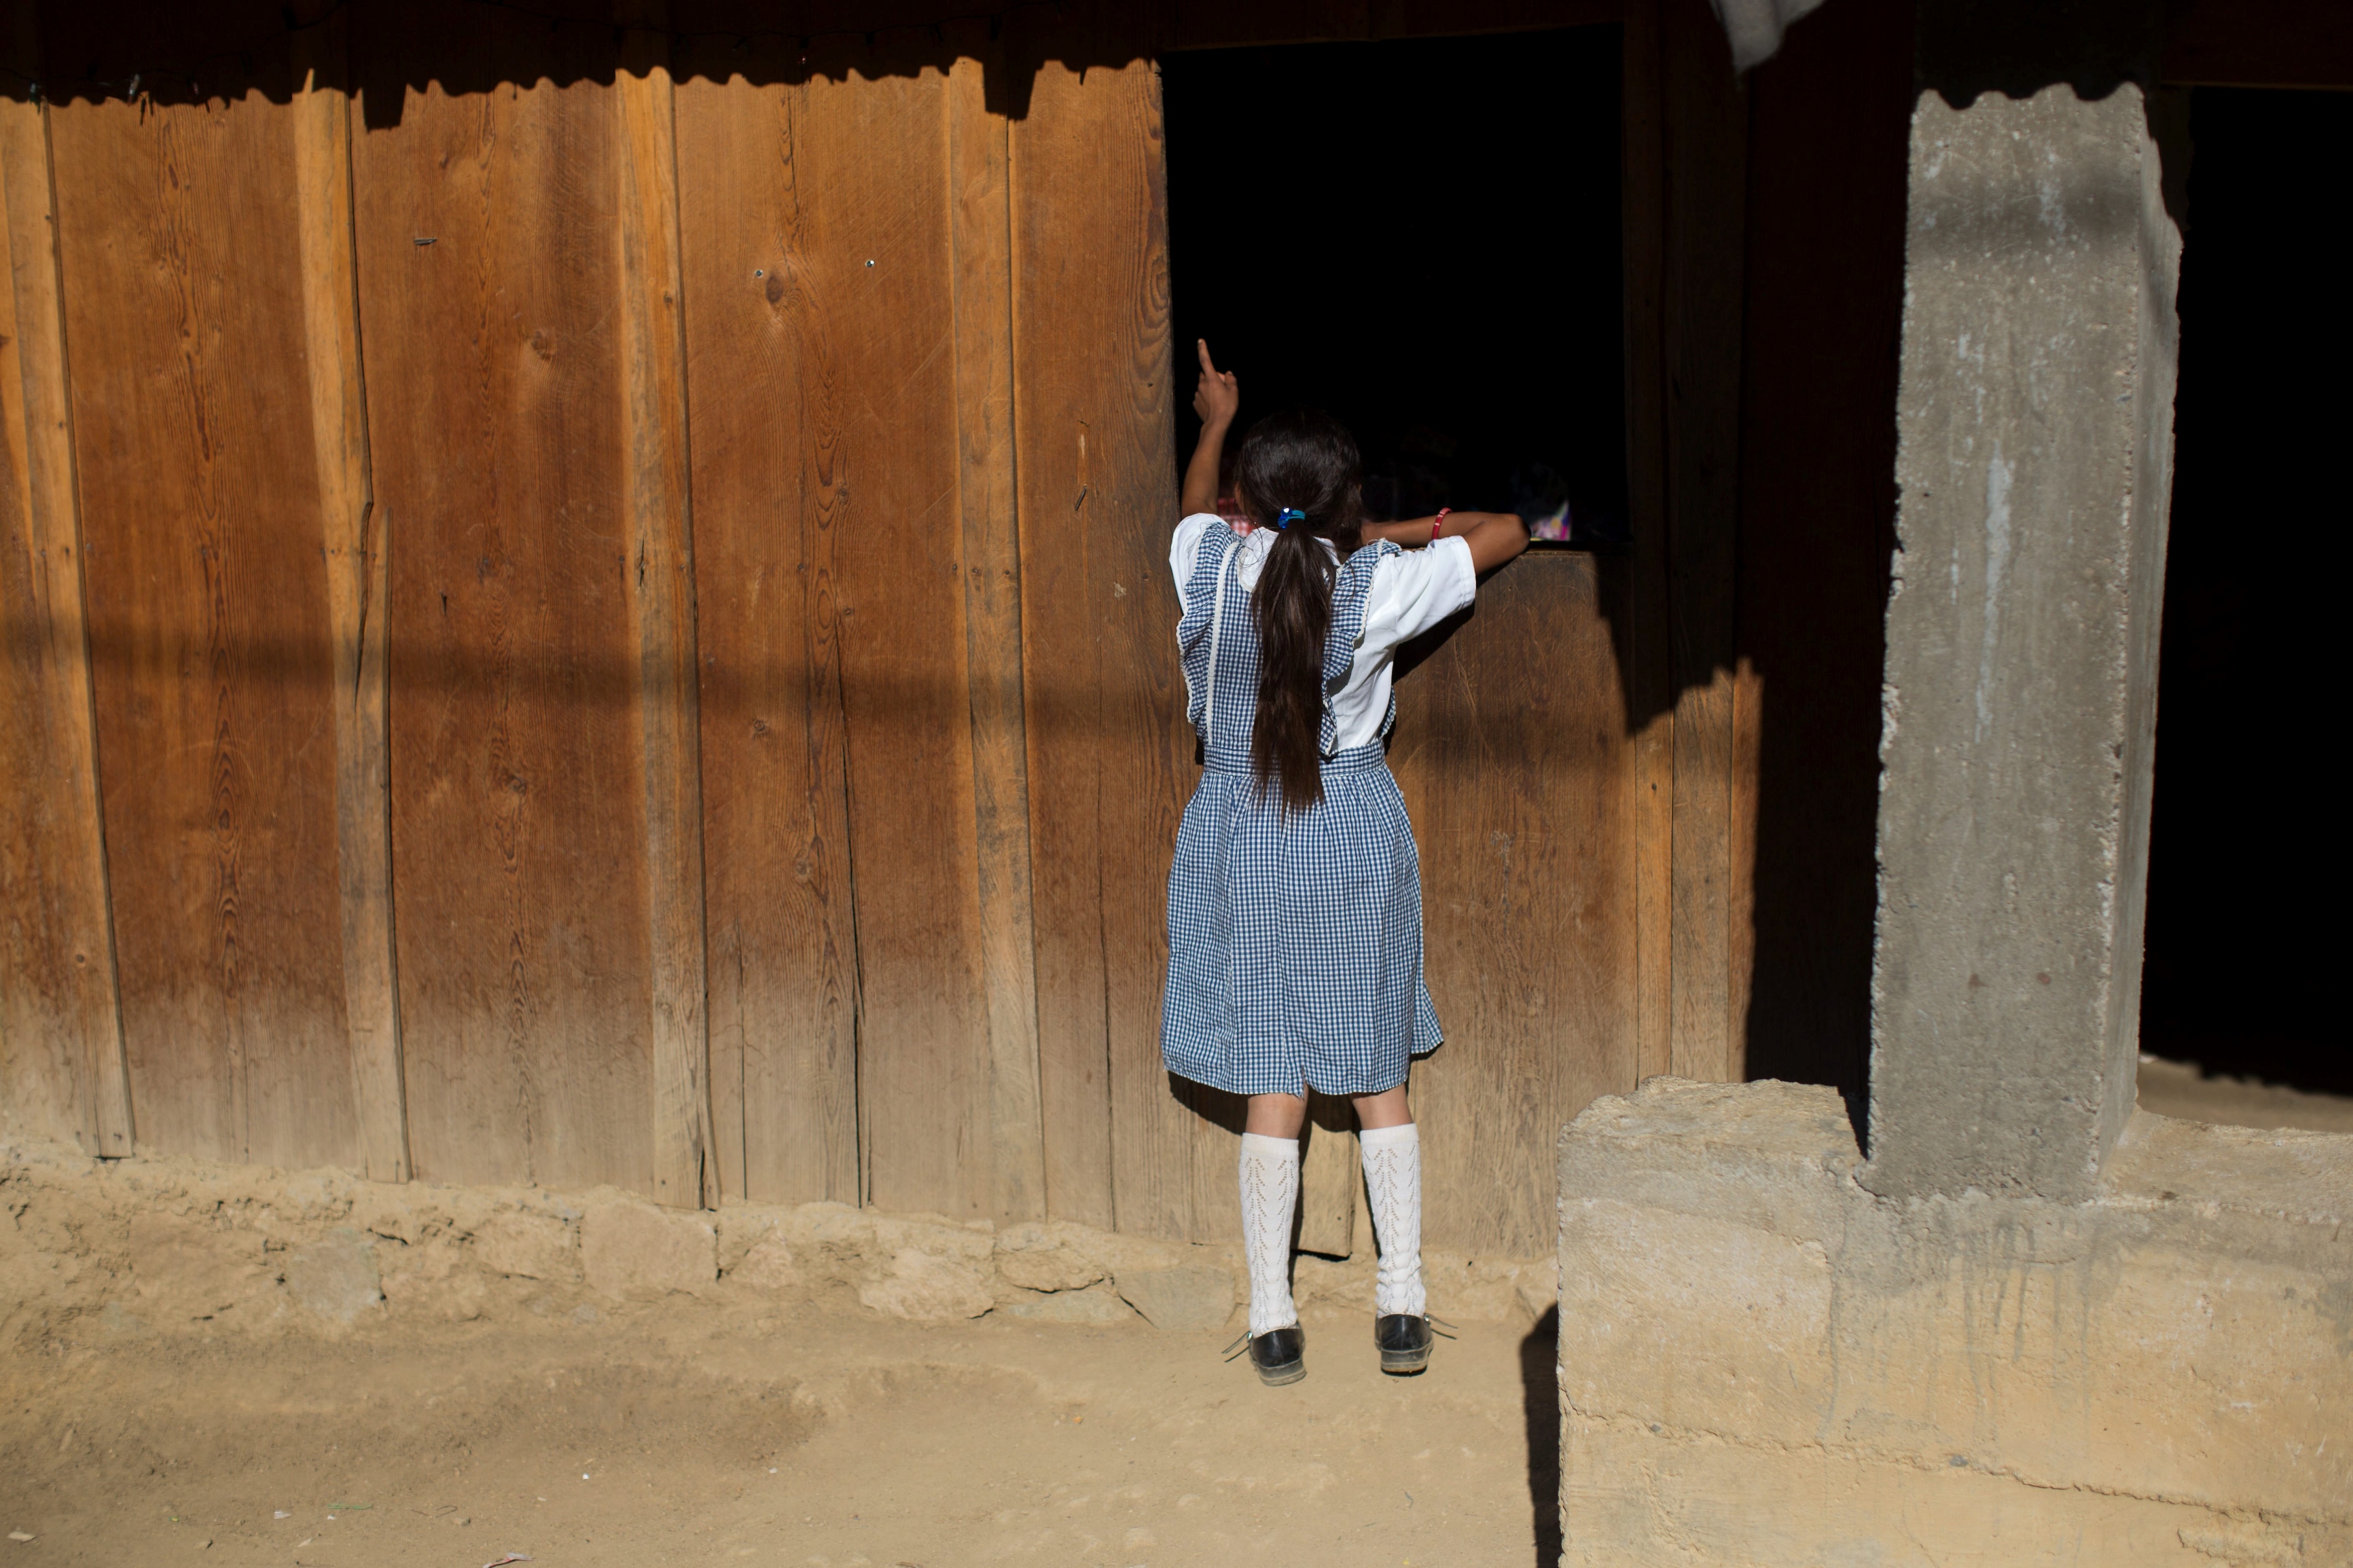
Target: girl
1295, 903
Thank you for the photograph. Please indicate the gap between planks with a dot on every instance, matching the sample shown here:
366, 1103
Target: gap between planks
653, 377
353, 532
981, 227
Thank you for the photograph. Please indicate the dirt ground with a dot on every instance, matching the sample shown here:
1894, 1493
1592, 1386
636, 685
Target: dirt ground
807, 1430
831, 1440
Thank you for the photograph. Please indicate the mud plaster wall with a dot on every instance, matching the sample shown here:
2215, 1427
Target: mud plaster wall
1762, 1363
94, 1251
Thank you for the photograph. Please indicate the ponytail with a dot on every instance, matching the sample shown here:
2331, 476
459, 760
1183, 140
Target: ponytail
1297, 472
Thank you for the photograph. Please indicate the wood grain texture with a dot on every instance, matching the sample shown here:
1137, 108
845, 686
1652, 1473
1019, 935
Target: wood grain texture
1705, 183
1649, 709
875, 243
1331, 1173
352, 534
501, 441
1520, 779
915, 557
652, 352
981, 224
62, 1062
1110, 755
1064, 668
771, 497
1702, 1024
210, 632
1740, 859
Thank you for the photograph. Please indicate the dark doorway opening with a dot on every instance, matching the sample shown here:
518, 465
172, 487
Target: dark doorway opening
2248, 833
1422, 236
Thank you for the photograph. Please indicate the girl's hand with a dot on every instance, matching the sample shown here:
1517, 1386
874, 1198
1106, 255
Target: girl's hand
1214, 400
1219, 394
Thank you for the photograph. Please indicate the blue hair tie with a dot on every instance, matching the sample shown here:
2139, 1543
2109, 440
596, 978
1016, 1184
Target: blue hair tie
1288, 516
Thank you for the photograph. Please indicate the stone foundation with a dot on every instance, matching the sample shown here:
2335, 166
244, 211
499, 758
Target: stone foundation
97, 1250
1762, 1363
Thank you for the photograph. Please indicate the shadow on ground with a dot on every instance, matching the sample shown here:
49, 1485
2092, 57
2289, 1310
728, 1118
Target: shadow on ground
1540, 1399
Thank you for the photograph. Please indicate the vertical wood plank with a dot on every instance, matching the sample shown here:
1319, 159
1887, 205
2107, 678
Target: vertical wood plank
1650, 705
877, 230
353, 533
978, 188
62, 1063
1330, 1173
490, 285
770, 493
1064, 668
213, 668
653, 354
1519, 777
1110, 754
1740, 909
1706, 143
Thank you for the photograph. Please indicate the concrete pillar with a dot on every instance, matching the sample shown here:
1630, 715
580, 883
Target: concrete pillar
2034, 466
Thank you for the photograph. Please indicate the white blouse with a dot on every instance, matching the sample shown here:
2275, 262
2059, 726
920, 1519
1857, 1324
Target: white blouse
1411, 592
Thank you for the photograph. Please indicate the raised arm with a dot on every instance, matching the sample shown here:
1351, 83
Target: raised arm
1495, 537
1216, 400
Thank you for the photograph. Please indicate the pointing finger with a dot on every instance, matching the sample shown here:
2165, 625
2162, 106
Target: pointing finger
1203, 345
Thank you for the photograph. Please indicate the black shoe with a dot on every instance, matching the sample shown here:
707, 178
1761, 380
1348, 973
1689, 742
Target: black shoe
1404, 1339
1280, 1355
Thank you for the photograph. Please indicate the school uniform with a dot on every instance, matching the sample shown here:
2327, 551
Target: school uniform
1295, 957
1294, 937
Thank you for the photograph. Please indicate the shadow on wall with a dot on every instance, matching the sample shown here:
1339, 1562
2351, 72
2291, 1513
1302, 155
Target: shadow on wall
2244, 925
227, 49
1829, 124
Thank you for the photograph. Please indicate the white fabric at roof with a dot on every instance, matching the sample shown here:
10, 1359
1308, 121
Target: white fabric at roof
1755, 27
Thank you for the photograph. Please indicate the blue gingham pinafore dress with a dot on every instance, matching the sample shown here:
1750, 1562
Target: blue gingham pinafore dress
1294, 939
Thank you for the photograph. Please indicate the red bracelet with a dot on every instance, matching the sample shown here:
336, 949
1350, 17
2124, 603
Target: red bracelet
1437, 523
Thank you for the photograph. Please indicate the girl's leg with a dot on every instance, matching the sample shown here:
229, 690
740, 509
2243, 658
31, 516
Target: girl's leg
1283, 1115
1391, 1146
1269, 1182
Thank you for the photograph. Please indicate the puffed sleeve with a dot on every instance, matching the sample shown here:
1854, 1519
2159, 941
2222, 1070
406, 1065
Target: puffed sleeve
1185, 548
1413, 591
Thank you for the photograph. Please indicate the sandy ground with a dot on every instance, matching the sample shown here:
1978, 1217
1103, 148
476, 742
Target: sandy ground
832, 1439
715, 1429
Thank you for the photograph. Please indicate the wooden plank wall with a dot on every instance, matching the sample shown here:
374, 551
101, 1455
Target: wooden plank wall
1109, 750
357, 571
772, 488
1702, 162
490, 279
61, 1066
213, 680
1522, 787
628, 626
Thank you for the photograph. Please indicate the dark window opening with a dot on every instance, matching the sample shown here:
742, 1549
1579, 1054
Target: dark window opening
1422, 236
2247, 836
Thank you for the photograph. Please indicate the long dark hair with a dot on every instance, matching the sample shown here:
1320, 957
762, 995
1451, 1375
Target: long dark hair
1300, 460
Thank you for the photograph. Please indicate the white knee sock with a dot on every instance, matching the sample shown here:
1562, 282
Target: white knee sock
1269, 1174
1393, 1177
